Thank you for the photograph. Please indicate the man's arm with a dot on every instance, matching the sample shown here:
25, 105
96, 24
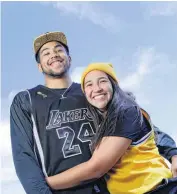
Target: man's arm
166, 145
167, 148
27, 168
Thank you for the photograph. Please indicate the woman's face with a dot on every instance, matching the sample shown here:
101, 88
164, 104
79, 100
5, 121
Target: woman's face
98, 89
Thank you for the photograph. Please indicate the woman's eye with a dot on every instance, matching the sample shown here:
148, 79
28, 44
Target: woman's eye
88, 85
46, 53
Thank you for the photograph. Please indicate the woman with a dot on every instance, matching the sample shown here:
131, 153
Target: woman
123, 146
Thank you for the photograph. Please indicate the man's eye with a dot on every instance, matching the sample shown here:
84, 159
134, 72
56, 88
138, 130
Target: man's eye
60, 51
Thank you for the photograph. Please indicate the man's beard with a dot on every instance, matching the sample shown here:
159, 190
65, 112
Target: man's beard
53, 74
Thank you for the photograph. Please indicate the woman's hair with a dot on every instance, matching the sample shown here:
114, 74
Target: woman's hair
116, 109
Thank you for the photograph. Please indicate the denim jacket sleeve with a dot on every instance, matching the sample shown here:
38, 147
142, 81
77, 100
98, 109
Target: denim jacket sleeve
166, 145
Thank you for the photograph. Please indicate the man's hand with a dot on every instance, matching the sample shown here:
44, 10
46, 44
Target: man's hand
174, 165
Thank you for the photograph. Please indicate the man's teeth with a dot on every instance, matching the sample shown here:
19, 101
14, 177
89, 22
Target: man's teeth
55, 62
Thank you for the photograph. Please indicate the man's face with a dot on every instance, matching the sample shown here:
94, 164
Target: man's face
54, 59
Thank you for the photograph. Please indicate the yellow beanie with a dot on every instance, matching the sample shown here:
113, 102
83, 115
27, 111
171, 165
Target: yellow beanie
105, 67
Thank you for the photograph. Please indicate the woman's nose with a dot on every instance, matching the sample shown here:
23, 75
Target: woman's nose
97, 88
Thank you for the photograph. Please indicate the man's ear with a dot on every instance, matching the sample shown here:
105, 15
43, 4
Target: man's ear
70, 59
40, 68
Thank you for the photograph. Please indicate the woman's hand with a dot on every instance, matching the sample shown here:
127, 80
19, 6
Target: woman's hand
51, 182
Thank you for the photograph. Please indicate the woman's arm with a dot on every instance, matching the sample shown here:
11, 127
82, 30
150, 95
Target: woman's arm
104, 158
106, 155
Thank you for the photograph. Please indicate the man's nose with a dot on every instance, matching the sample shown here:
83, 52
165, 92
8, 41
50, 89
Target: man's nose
54, 54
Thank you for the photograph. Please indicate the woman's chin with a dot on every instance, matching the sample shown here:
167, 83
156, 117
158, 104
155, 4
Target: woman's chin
99, 105
101, 108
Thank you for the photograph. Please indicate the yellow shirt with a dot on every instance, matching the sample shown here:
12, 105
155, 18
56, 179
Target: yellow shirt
140, 169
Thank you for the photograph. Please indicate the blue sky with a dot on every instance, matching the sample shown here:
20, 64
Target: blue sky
139, 38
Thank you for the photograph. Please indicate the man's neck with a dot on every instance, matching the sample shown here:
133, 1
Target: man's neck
57, 83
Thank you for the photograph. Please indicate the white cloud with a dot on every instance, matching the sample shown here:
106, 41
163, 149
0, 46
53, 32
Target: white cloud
76, 74
12, 95
149, 67
6, 102
8, 178
91, 12
143, 59
7, 167
163, 9
9, 187
5, 138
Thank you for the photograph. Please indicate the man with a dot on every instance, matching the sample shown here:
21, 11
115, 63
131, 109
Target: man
51, 129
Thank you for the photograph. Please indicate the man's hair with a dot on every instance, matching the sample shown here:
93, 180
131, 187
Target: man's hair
38, 57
